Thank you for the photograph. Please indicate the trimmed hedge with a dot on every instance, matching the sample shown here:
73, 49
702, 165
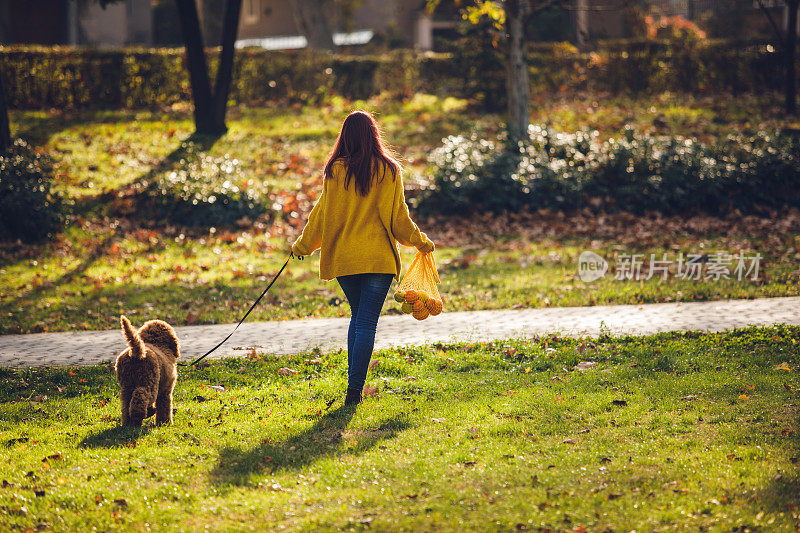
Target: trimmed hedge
636, 172
625, 67
86, 77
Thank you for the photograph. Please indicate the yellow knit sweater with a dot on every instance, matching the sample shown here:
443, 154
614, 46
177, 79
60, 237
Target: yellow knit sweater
359, 234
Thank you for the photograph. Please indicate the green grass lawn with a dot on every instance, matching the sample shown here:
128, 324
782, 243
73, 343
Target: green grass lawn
107, 262
678, 430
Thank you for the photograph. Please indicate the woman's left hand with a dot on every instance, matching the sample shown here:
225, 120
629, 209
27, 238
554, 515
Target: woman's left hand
428, 247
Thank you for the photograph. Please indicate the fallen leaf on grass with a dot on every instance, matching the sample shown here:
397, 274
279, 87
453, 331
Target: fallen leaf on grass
121, 502
584, 365
744, 397
374, 363
568, 441
371, 391
286, 371
783, 366
53, 457
438, 420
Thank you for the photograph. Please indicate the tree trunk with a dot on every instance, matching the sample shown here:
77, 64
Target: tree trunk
5, 23
5, 131
230, 28
517, 71
311, 19
791, 58
581, 24
196, 63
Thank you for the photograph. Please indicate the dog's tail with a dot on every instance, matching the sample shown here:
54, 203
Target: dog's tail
136, 344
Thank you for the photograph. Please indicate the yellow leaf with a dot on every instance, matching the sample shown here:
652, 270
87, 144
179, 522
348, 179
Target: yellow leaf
527, 370
744, 397
784, 366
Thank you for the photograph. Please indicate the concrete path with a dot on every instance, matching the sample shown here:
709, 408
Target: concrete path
293, 336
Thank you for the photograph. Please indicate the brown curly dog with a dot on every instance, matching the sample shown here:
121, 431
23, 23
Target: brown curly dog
146, 371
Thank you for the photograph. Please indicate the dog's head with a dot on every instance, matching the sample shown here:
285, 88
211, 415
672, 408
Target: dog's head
161, 334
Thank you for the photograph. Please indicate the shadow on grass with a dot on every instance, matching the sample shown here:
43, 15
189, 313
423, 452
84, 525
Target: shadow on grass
782, 492
38, 130
113, 437
98, 250
55, 382
323, 439
187, 151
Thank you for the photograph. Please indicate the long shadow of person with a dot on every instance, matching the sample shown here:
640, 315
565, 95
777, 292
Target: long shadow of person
323, 439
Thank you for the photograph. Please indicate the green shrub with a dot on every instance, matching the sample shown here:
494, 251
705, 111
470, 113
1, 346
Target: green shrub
29, 209
635, 173
206, 191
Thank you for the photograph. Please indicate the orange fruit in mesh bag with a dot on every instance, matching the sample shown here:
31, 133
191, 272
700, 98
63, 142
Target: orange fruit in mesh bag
406, 308
434, 306
421, 314
411, 296
400, 296
422, 296
419, 305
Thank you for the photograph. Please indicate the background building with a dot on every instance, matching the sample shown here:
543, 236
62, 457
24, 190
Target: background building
76, 22
393, 23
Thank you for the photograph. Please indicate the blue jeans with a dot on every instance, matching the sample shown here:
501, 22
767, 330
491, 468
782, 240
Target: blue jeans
366, 294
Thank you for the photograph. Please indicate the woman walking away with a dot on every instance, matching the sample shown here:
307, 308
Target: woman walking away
357, 222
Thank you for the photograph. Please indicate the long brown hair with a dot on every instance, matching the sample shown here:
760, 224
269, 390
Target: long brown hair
361, 149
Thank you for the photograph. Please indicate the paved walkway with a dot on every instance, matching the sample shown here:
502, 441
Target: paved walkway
293, 336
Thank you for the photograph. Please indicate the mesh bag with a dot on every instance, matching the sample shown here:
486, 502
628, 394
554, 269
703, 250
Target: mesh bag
417, 293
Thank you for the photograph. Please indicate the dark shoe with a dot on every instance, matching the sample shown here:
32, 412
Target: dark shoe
353, 397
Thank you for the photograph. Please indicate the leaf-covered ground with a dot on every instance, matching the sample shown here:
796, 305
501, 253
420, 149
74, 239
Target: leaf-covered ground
94, 273
112, 259
673, 431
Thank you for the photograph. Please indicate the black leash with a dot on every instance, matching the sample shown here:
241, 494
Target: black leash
271, 283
